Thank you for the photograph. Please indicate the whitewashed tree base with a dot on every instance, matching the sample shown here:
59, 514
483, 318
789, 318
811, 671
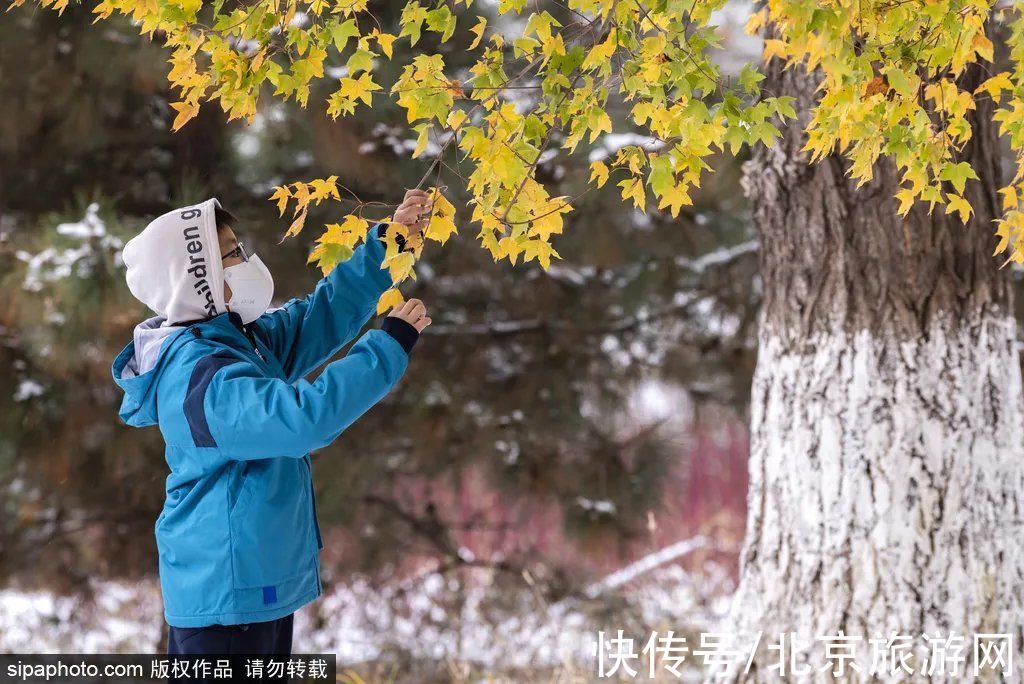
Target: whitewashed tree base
886, 488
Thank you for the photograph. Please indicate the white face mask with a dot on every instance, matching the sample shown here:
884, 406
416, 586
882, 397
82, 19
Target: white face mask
252, 288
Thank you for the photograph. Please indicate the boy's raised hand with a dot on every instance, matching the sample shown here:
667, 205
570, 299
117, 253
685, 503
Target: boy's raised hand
412, 312
414, 211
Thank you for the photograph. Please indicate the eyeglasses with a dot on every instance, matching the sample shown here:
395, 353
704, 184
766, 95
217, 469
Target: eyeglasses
238, 251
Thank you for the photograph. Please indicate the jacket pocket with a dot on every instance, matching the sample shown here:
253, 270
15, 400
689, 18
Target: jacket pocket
271, 525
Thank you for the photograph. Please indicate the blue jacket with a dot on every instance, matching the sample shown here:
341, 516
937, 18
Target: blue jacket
238, 537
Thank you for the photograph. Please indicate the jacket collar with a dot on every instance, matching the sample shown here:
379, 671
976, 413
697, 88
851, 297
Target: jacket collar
228, 324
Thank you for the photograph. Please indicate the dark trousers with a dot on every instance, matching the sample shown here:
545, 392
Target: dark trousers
255, 638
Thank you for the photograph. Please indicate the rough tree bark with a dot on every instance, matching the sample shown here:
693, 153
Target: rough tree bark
885, 481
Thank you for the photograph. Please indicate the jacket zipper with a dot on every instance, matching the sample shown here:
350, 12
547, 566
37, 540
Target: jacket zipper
255, 348
309, 468
252, 338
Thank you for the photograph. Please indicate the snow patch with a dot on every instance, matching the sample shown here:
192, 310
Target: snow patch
28, 389
611, 143
427, 616
55, 263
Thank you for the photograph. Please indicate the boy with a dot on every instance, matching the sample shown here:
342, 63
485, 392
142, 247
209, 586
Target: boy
238, 538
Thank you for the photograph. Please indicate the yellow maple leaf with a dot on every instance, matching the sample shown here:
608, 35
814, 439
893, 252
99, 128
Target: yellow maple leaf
456, 118
324, 188
995, 85
297, 224
442, 220
958, 204
281, 196
186, 112
634, 188
600, 56
674, 198
394, 229
1003, 233
599, 171
300, 194
540, 250
755, 22
1009, 194
386, 41
601, 123
983, 46
478, 31
773, 48
400, 266
360, 88
389, 300
906, 198
349, 232
422, 138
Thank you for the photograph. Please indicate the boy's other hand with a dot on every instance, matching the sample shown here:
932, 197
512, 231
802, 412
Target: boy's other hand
414, 211
412, 312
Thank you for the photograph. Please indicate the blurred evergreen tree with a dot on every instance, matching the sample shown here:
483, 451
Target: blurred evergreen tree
84, 110
526, 379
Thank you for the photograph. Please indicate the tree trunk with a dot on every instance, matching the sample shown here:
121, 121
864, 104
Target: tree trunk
887, 425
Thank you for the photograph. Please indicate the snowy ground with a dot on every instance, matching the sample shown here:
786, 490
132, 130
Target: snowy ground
362, 623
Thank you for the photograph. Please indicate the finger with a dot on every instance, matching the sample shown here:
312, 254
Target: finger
415, 193
417, 310
409, 305
411, 219
416, 208
421, 324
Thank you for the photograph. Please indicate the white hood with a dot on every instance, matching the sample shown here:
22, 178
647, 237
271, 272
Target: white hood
174, 265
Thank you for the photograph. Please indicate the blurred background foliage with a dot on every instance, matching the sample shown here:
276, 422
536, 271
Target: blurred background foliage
553, 427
